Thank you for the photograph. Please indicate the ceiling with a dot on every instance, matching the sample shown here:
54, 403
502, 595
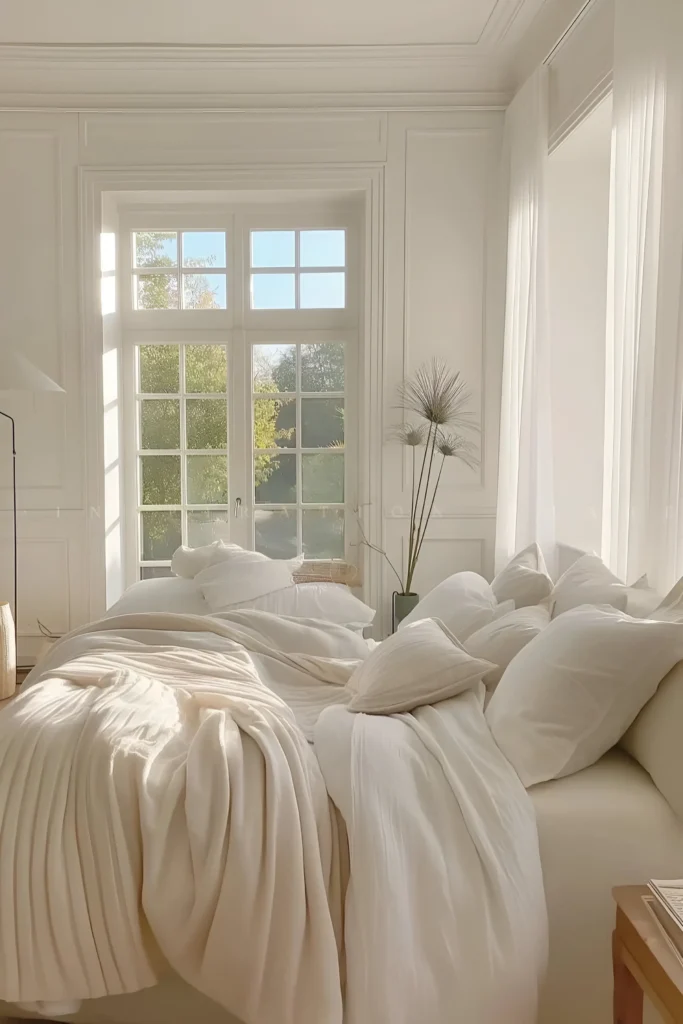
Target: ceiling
475, 24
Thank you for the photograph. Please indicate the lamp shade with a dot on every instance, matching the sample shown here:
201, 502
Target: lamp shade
17, 373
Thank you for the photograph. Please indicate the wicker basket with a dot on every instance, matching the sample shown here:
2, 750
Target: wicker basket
8, 654
327, 570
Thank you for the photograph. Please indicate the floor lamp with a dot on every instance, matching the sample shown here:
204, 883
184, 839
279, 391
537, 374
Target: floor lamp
18, 374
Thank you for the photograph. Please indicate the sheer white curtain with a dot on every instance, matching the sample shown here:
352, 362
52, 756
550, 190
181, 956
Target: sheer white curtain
525, 474
643, 496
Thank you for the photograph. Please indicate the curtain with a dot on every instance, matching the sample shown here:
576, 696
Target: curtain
525, 510
643, 499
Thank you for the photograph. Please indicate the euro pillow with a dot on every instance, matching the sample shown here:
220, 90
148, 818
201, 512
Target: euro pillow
242, 579
420, 664
166, 594
331, 602
572, 693
463, 603
524, 579
588, 581
187, 562
501, 640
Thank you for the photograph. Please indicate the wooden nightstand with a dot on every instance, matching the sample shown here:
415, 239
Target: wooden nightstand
644, 962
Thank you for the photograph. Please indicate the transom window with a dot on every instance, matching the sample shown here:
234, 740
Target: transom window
179, 270
298, 269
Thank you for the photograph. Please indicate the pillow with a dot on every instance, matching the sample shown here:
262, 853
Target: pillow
464, 603
420, 664
505, 637
671, 607
331, 602
167, 594
642, 599
524, 580
243, 579
187, 562
588, 581
570, 694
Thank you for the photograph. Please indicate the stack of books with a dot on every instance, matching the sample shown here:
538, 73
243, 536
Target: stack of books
665, 902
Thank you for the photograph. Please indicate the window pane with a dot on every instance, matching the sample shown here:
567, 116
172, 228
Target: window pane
206, 527
322, 367
322, 422
322, 291
272, 249
323, 477
274, 423
206, 421
159, 372
206, 368
205, 249
272, 291
323, 532
160, 423
160, 535
322, 248
157, 291
275, 532
204, 291
274, 368
156, 249
207, 480
274, 479
155, 572
160, 480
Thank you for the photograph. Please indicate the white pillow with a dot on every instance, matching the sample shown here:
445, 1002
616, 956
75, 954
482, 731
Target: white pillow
166, 594
331, 602
421, 664
464, 603
570, 695
642, 599
243, 579
588, 581
187, 562
501, 640
524, 579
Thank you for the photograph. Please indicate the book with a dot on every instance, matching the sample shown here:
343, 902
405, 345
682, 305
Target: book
665, 902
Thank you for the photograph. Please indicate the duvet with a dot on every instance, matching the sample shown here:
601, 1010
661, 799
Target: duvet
192, 791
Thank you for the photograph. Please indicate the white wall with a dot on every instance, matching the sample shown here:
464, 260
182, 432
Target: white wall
578, 197
434, 249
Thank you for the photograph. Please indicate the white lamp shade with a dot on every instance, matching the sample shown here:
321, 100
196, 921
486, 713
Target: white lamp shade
18, 374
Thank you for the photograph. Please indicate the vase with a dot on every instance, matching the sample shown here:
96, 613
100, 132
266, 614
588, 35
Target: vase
8, 653
402, 605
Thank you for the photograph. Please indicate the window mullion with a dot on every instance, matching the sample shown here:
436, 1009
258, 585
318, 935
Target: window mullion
183, 444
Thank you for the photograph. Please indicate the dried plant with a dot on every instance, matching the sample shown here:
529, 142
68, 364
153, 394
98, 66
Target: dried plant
440, 398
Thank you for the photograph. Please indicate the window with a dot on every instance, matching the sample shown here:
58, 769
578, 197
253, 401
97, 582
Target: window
240, 335
299, 465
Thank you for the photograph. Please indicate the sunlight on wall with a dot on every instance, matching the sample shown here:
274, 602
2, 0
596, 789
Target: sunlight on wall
108, 271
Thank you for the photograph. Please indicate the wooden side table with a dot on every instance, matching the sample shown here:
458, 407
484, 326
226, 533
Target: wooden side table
644, 962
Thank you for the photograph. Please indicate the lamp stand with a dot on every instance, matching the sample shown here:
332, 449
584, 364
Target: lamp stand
14, 521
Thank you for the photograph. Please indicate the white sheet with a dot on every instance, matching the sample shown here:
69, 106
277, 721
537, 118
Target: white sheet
179, 808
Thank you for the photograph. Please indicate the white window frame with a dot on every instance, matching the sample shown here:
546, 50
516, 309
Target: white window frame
238, 328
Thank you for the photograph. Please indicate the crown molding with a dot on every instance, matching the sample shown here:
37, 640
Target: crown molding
124, 77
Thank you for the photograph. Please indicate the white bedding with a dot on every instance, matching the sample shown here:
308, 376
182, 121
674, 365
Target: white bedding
179, 809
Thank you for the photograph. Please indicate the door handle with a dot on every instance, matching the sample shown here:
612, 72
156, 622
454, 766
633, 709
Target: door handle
238, 506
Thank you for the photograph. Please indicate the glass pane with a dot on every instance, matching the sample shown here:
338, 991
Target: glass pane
160, 423
160, 481
159, 369
322, 291
206, 249
322, 422
322, 248
155, 572
156, 249
206, 422
274, 479
272, 249
206, 527
204, 291
323, 477
323, 532
157, 291
274, 368
274, 423
207, 480
322, 367
272, 291
206, 369
275, 532
161, 535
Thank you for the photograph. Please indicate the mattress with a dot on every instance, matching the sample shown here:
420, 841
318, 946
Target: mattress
607, 825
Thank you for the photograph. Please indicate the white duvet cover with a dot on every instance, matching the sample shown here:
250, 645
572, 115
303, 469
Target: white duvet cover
158, 796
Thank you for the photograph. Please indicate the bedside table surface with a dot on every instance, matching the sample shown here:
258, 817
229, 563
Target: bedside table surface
654, 963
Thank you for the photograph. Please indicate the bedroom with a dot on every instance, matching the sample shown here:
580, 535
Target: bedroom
228, 241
